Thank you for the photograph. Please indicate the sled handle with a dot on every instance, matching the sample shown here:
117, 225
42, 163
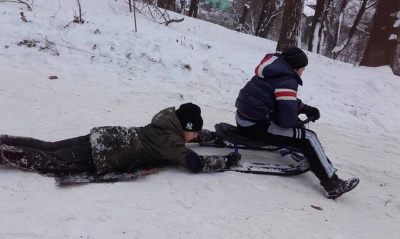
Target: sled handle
312, 118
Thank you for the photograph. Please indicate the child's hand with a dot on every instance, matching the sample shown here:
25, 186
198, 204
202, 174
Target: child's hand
311, 112
232, 159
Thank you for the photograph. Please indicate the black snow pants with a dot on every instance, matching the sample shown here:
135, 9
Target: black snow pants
66, 156
306, 141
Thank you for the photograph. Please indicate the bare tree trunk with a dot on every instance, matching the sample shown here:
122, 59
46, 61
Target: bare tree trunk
383, 43
242, 19
130, 5
315, 26
396, 65
182, 6
78, 19
353, 28
167, 4
269, 12
263, 15
194, 8
79, 9
172, 5
290, 26
334, 24
134, 15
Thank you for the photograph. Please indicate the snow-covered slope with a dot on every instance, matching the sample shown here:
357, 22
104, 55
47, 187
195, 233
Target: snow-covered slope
108, 74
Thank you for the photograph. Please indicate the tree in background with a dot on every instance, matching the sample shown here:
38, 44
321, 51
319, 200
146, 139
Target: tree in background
383, 43
181, 6
396, 64
349, 30
315, 36
242, 19
290, 29
269, 12
334, 24
167, 4
79, 19
194, 8
363, 8
130, 5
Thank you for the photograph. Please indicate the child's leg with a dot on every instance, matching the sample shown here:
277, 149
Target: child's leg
304, 140
75, 159
308, 143
40, 144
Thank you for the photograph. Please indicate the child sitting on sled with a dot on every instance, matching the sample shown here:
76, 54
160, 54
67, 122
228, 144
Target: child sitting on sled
268, 109
120, 149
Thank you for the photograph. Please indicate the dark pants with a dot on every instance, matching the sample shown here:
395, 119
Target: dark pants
66, 156
306, 141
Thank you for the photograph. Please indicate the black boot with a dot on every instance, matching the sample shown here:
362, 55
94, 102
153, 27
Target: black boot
335, 186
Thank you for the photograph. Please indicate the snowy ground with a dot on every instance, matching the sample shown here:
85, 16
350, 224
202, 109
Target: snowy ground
123, 77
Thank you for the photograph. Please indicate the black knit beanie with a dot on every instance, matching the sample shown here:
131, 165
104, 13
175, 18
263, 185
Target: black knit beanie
189, 116
295, 57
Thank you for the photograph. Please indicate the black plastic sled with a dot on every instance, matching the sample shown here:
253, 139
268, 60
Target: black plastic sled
230, 137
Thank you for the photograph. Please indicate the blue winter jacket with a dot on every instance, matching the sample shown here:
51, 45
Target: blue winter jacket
271, 94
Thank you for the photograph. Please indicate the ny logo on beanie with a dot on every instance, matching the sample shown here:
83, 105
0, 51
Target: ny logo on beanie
189, 126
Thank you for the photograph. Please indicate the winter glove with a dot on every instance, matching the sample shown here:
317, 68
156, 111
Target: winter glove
205, 135
311, 112
232, 159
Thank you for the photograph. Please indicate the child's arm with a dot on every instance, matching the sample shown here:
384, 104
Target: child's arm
205, 135
210, 163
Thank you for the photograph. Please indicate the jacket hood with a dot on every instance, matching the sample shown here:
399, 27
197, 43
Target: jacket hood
167, 118
273, 65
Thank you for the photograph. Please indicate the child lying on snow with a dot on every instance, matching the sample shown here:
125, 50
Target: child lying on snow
120, 149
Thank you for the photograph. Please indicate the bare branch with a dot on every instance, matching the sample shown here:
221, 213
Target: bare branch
59, 7
80, 12
20, 1
171, 21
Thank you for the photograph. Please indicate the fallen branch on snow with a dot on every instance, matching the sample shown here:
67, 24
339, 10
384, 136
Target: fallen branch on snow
171, 21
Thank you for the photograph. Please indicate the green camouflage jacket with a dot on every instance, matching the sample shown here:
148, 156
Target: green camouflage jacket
116, 148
